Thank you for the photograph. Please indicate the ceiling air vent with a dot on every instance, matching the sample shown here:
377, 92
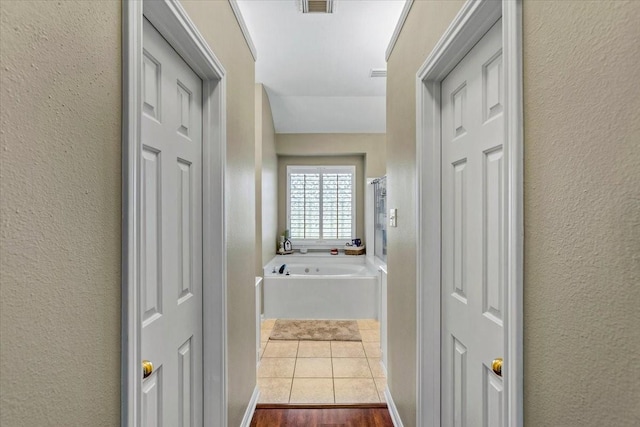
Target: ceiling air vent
378, 72
317, 6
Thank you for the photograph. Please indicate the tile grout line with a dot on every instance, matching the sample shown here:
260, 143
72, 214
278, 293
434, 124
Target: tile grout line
333, 378
293, 375
373, 379
375, 386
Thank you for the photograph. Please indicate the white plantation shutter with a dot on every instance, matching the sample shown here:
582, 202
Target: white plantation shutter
304, 206
337, 196
321, 202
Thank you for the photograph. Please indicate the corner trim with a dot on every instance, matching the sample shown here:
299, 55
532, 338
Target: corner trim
251, 408
512, 48
459, 38
130, 387
393, 410
473, 20
243, 28
399, 25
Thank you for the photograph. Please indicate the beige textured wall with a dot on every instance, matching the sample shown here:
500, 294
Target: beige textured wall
582, 198
284, 161
269, 184
61, 204
60, 213
425, 24
582, 213
218, 25
372, 145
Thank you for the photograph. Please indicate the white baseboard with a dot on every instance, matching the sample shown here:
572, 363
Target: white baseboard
384, 368
251, 408
393, 411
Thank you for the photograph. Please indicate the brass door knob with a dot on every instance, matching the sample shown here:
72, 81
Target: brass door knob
496, 365
147, 368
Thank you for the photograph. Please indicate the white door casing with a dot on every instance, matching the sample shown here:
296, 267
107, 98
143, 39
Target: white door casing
472, 246
171, 21
468, 27
171, 303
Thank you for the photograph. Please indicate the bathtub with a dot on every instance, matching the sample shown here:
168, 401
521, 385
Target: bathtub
320, 287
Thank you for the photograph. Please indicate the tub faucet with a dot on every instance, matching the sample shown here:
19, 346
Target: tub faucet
282, 268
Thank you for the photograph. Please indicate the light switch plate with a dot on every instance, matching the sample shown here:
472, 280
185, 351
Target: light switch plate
393, 217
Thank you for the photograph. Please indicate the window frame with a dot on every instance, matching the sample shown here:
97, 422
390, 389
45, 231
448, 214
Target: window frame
322, 169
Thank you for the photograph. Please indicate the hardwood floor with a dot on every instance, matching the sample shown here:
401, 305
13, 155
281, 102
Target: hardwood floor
367, 415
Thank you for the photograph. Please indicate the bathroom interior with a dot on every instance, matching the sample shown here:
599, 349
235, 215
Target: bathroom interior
338, 278
321, 204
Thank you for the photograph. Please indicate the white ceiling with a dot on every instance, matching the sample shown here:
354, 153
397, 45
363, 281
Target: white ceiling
316, 67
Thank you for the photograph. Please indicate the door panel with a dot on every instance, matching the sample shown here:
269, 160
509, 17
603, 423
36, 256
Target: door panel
152, 400
473, 254
185, 384
493, 239
492, 399
171, 235
151, 274
459, 383
184, 227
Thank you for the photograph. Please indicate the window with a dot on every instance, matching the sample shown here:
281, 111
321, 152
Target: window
321, 204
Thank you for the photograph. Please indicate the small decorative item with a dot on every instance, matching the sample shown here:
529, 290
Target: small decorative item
334, 251
356, 242
285, 244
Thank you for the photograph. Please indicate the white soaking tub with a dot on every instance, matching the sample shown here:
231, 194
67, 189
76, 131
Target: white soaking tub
320, 287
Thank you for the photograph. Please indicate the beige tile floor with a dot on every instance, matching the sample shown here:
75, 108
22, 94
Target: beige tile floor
322, 371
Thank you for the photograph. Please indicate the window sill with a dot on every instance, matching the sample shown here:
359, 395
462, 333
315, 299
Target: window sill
319, 244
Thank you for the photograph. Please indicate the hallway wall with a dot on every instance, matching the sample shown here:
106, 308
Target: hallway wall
582, 198
266, 181
425, 24
582, 213
60, 305
218, 25
60, 98
372, 145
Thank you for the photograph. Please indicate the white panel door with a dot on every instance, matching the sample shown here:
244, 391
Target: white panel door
473, 254
171, 267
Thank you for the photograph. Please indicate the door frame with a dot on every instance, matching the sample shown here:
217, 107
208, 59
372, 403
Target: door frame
469, 26
173, 23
